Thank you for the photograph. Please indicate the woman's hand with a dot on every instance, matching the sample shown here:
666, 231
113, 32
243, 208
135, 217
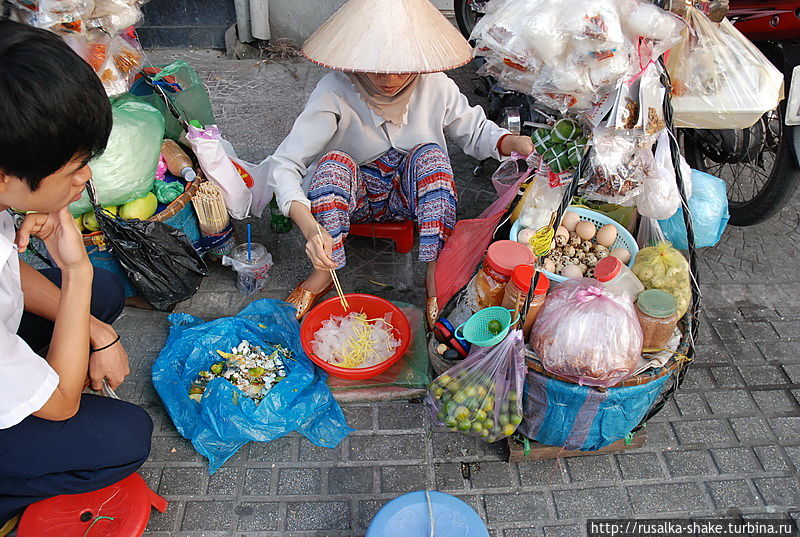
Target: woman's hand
319, 249
515, 143
60, 235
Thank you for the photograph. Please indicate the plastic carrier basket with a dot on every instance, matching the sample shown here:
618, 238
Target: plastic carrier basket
624, 237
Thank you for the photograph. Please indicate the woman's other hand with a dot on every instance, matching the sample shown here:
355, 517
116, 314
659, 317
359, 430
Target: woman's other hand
319, 250
515, 143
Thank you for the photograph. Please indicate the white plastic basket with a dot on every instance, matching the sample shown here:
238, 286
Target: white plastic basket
624, 238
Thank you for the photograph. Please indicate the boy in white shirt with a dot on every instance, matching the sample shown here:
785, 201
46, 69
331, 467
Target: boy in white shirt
54, 117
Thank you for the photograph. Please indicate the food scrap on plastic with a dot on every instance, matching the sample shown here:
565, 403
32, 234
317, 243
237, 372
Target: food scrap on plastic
248, 367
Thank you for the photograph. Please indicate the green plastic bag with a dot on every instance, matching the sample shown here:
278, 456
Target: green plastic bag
126, 170
167, 192
192, 100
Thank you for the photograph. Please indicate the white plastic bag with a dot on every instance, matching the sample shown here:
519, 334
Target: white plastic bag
720, 79
207, 145
660, 197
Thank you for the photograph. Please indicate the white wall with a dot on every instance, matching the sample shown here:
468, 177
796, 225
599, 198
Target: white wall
297, 19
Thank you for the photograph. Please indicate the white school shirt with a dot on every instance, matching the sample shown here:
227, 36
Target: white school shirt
26, 380
336, 118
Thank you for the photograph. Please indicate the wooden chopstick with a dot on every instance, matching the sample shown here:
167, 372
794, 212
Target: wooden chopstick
336, 284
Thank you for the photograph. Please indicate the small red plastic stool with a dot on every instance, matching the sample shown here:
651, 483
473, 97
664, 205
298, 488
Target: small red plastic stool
402, 233
119, 510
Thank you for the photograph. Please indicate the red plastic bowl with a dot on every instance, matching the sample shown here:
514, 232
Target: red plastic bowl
374, 307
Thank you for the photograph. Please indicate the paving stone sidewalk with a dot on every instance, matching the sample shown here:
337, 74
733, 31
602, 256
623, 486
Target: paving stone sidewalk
729, 445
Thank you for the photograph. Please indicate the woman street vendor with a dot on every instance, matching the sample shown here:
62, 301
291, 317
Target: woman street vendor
370, 144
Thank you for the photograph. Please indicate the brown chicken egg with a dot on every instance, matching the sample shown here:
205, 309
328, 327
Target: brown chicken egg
586, 230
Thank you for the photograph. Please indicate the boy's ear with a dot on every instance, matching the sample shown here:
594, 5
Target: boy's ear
4, 181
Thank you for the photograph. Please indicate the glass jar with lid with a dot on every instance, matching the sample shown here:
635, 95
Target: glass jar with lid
658, 315
517, 291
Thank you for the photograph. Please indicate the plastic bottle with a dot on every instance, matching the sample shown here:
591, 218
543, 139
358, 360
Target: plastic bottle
613, 273
498, 264
517, 291
178, 162
278, 223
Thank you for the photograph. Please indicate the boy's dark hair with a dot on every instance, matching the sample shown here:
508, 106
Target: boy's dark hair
53, 107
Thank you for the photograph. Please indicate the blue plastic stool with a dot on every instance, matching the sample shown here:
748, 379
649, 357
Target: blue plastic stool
409, 515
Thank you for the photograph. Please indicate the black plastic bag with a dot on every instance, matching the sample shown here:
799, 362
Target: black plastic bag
159, 260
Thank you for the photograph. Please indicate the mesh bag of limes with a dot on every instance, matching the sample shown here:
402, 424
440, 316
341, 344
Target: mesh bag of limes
482, 394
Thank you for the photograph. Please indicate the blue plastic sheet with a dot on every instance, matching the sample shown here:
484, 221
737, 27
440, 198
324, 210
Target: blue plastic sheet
559, 413
709, 209
225, 419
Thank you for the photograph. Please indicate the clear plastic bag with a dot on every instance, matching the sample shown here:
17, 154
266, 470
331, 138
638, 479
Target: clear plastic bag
663, 267
720, 79
708, 206
126, 170
49, 13
482, 395
569, 53
586, 334
660, 197
622, 164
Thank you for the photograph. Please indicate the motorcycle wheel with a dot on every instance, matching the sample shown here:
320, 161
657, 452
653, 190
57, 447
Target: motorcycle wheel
764, 175
466, 16
758, 186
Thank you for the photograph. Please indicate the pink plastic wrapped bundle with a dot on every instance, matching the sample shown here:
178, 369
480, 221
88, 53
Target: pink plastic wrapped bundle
586, 334
355, 341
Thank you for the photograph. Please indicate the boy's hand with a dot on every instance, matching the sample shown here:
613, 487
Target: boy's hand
111, 363
521, 144
60, 235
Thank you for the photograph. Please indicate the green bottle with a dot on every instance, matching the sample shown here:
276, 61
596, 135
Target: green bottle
278, 222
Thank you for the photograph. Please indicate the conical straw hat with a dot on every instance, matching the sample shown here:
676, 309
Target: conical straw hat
388, 36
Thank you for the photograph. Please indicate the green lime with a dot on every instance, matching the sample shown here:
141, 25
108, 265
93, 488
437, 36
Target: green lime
509, 429
460, 397
472, 391
503, 418
462, 413
441, 416
477, 427
464, 425
488, 404
516, 419
495, 327
480, 415
451, 424
488, 423
438, 392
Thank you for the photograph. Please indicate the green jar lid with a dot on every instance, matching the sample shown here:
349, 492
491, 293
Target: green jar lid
657, 303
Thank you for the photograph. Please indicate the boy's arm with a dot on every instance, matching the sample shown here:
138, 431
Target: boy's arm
69, 346
42, 298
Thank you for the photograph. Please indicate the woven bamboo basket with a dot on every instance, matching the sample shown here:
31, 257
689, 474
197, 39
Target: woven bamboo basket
178, 204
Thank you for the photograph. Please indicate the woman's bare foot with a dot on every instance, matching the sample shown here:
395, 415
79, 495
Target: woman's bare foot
318, 281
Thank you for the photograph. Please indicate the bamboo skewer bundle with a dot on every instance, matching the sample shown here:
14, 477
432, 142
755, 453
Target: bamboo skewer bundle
210, 208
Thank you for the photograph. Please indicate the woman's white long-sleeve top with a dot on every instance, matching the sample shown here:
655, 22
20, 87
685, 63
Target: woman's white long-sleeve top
336, 118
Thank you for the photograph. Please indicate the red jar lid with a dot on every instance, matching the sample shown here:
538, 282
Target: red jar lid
607, 269
503, 256
522, 279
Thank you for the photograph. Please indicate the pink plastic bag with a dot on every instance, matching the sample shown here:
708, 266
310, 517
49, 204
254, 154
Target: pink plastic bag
482, 395
470, 239
586, 334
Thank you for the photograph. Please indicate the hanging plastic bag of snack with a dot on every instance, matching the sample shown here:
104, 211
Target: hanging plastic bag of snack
660, 197
720, 79
622, 162
482, 395
663, 267
587, 334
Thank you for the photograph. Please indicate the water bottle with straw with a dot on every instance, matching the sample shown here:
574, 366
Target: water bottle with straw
252, 262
